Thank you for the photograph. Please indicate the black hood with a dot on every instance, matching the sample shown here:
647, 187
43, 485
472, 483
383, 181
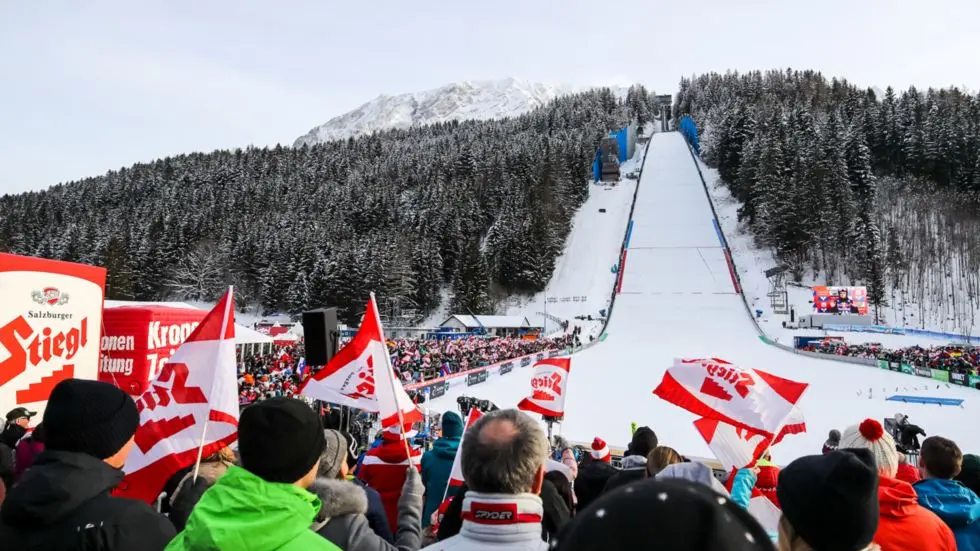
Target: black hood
57, 484
12, 434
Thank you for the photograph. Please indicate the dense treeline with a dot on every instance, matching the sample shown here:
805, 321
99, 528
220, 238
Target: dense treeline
821, 167
484, 206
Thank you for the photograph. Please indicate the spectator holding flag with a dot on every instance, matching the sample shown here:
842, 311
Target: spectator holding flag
437, 464
63, 502
343, 516
384, 469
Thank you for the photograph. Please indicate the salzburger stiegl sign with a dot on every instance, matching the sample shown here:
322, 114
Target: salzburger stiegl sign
50, 320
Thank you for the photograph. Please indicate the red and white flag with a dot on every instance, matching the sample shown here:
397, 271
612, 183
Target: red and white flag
549, 385
193, 402
736, 448
715, 389
361, 376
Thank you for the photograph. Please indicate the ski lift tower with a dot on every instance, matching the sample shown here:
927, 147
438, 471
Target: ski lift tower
778, 296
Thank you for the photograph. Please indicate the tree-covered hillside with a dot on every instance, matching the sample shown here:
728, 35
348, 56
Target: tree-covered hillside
882, 191
484, 206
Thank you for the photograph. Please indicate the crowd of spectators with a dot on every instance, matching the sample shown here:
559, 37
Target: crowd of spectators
295, 485
952, 358
418, 360
282, 371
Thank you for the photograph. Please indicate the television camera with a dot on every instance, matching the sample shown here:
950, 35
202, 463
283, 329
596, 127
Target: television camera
467, 403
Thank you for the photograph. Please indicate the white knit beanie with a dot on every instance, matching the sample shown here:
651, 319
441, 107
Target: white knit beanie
870, 435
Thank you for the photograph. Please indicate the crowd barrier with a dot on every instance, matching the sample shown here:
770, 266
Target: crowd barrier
437, 387
940, 375
885, 330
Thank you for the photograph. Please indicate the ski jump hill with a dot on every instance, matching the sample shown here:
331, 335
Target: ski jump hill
679, 298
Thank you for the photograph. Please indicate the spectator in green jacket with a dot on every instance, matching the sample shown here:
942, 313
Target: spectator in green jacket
264, 504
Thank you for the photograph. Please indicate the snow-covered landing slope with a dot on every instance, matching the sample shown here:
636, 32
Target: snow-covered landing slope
583, 279
678, 300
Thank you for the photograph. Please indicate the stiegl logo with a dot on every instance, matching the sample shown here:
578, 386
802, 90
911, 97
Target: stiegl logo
50, 296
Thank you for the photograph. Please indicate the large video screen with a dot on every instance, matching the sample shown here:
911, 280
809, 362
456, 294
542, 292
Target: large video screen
840, 300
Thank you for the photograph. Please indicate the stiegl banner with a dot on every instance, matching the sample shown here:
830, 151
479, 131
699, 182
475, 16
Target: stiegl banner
50, 322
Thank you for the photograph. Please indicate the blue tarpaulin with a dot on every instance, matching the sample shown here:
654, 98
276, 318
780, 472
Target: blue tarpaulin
925, 400
690, 131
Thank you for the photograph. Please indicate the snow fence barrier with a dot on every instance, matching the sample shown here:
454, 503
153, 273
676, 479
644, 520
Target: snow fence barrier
885, 330
437, 387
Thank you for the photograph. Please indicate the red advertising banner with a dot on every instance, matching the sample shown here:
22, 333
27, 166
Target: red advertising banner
50, 317
139, 340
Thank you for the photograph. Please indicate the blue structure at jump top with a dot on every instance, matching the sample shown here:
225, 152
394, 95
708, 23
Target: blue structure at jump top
925, 400
622, 140
597, 166
690, 131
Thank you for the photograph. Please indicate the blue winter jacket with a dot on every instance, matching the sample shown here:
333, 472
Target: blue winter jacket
957, 505
437, 465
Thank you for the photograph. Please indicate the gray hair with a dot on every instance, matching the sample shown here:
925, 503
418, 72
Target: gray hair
502, 452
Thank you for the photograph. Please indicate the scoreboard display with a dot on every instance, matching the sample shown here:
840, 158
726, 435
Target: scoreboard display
840, 300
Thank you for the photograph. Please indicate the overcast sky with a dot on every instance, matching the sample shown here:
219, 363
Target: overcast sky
90, 86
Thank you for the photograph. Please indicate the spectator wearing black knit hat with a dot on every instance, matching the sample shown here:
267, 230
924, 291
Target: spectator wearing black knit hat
634, 462
264, 504
829, 501
673, 514
63, 501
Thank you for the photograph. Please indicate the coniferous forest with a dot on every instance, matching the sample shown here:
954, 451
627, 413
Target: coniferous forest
853, 186
483, 207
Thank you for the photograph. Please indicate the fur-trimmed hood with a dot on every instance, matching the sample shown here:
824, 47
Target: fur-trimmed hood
338, 498
633, 462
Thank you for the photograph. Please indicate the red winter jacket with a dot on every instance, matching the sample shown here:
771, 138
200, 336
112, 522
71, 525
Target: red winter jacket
384, 469
904, 525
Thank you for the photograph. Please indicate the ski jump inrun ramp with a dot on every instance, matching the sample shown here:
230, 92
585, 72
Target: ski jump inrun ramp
679, 299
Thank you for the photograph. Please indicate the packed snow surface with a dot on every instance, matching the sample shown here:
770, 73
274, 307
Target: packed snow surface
583, 280
678, 300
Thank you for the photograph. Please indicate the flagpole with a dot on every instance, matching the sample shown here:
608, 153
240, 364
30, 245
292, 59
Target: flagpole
391, 371
221, 335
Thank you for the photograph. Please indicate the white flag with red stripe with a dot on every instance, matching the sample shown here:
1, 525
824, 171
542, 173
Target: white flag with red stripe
744, 398
456, 473
736, 448
192, 402
361, 376
549, 385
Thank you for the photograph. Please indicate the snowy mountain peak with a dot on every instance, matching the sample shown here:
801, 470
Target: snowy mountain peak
465, 100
